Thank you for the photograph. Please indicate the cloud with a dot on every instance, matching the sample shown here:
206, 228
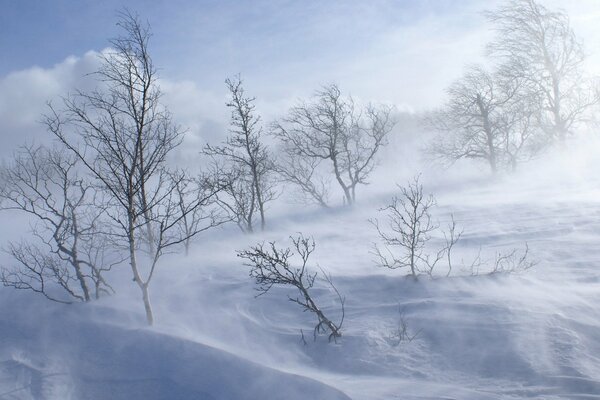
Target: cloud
403, 53
201, 113
24, 96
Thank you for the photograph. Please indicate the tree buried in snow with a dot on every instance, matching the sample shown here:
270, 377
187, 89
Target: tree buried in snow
331, 130
270, 265
409, 228
512, 262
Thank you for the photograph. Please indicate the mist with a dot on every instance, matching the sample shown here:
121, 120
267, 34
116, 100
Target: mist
452, 205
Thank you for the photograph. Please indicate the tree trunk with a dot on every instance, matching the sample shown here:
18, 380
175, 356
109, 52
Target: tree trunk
134, 267
259, 199
147, 305
347, 194
75, 258
489, 135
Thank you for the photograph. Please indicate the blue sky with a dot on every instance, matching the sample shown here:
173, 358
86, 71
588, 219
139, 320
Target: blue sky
207, 40
43, 32
403, 52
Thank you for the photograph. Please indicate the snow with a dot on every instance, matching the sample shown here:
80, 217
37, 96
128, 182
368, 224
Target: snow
533, 334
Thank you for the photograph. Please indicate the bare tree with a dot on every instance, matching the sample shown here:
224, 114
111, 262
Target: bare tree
518, 120
194, 218
67, 250
122, 134
243, 162
540, 47
330, 129
489, 116
401, 332
270, 265
512, 262
303, 173
236, 196
470, 123
409, 227
451, 237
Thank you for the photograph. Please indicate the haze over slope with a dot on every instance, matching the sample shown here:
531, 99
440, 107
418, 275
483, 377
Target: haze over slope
529, 335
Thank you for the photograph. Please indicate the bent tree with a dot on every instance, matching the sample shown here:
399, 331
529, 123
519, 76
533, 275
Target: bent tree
271, 265
541, 48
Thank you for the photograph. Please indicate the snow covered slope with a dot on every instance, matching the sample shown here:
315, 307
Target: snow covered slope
58, 356
530, 335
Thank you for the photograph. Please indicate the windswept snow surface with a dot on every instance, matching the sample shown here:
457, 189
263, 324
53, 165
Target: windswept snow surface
534, 335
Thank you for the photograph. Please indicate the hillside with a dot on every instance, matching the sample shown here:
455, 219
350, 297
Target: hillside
532, 334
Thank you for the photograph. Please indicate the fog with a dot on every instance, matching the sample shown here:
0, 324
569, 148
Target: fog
508, 311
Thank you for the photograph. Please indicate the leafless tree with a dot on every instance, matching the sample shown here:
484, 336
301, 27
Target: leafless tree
512, 262
303, 173
243, 163
270, 265
409, 227
451, 237
518, 120
331, 129
236, 194
67, 250
122, 135
470, 123
194, 218
402, 333
540, 47
491, 116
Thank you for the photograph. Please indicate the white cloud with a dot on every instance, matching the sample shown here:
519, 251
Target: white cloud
406, 61
24, 96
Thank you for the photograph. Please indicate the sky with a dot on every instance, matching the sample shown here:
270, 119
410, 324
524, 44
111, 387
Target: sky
401, 52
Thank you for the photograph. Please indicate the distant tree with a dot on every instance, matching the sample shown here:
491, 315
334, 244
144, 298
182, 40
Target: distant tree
331, 129
66, 258
470, 122
270, 265
304, 173
122, 135
519, 122
488, 116
194, 218
541, 48
243, 164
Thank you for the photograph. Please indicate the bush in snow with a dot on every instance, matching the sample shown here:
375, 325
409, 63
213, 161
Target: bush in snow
408, 228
